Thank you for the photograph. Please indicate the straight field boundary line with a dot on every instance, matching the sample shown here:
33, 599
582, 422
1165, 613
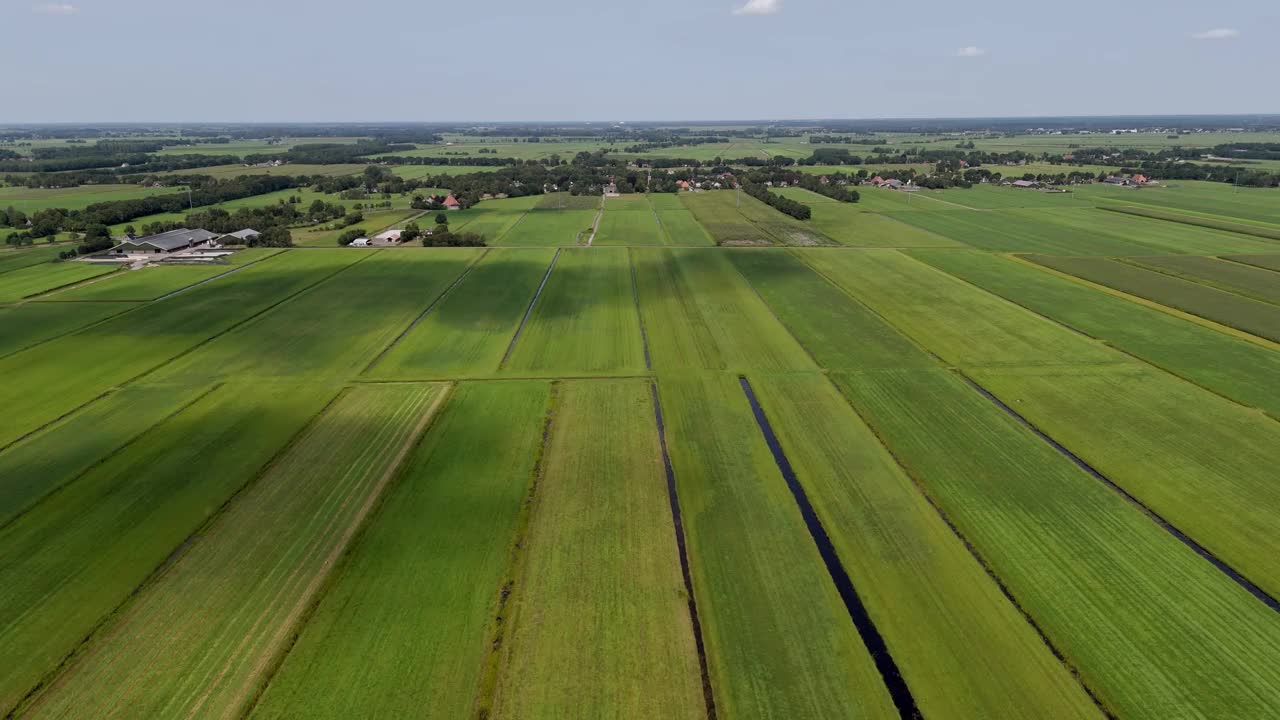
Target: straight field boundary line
977, 556
506, 231
1155, 517
130, 307
182, 407
1154, 212
529, 311
249, 319
1232, 259
1208, 283
47, 682
890, 675
232, 271
497, 631
776, 318
422, 315
33, 297
309, 599
1224, 329
1108, 344
635, 296
682, 550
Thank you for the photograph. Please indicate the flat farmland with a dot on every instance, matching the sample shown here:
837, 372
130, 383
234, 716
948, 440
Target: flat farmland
599, 622
39, 279
293, 524
788, 647
548, 228
1215, 199
226, 172
940, 467
328, 330
848, 225
118, 523
961, 644
150, 283
584, 322
1084, 563
1252, 316
631, 226
837, 330
17, 259
125, 347
1202, 463
717, 212
31, 200
469, 330
945, 314
1229, 276
406, 623
28, 324
1227, 365
699, 314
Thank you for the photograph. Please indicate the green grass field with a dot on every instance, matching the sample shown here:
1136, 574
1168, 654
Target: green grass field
30, 200
984, 453
292, 526
598, 623
468, 332
1252, 316
699, 314
1216, 361
120, 522
786, 648
39, 279
422, 584
585, 320
28, 324
544, 228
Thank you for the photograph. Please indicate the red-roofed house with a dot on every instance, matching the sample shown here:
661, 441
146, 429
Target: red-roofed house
1140, 179
684, 184
451, 203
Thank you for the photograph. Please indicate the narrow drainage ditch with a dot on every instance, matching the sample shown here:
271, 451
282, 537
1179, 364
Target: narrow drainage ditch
644, 336
1196, 547
529, 311
423, 315
673, 499
889, 672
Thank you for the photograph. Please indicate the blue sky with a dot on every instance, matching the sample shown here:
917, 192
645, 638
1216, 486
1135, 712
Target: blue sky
502, 60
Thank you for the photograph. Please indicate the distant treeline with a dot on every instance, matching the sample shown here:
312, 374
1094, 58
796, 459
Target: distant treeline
786, 205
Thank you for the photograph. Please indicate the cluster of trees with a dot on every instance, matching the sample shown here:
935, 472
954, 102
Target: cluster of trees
843, 139
837, 187
786, 205
676, 141
330, 153
210, 193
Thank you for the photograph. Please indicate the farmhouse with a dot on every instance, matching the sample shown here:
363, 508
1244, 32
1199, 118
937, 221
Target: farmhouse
239, 237
1026, 184
451, 203
389, 237
166, 242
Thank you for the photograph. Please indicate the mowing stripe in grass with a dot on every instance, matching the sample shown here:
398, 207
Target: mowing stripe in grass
889, 673
772, 312
673, 498
493, 662
181, 290
1196, 547
529, 310
414, 323
973, 552
144, 432
635, 295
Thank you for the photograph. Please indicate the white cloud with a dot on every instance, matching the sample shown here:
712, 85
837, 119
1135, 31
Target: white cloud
971, 51
56, 9
1217, 34
759, 7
